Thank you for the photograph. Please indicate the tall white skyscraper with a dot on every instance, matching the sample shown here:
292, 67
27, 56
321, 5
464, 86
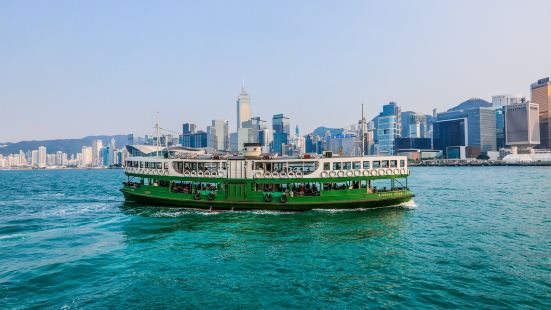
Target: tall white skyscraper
97, 145
243, 106
112, 153
42, 156
87, 156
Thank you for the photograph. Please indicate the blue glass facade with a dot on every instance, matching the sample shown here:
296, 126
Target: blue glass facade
281, 128
388, 128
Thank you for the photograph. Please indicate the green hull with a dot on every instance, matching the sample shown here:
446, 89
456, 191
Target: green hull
341, 199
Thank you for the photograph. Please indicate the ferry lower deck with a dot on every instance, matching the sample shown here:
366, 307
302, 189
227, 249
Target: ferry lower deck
268, 195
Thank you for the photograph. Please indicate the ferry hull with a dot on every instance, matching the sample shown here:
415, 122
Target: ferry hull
373, 202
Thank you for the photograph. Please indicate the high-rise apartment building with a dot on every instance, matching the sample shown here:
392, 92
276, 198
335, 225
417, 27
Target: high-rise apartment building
540, 93
97, 145
87, 157
243, 107
42, 156
499, 101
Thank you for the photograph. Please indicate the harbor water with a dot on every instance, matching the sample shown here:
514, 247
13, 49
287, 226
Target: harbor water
474, 237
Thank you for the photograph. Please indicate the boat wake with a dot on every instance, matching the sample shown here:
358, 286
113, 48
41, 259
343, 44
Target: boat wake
406, 205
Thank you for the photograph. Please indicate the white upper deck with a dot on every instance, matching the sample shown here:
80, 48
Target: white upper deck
240, 167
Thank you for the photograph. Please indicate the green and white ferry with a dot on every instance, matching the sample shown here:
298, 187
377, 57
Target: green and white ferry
192, 178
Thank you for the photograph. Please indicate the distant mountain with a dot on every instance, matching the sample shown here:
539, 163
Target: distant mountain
69, 146
320, 131
471, 104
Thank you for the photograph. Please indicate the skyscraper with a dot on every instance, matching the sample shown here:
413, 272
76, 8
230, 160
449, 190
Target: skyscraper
243, 107
221, 130
97, 145
522, 127
281, 128
388, 128
541, 94
42, 156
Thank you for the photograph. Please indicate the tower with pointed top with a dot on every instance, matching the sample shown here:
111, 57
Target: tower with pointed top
243, 106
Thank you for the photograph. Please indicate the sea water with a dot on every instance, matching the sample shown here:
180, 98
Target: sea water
474, 237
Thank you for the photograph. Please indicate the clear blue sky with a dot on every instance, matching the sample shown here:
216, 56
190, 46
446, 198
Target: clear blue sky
76, 68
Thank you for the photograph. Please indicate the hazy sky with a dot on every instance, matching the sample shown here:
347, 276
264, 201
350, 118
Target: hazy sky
77, 68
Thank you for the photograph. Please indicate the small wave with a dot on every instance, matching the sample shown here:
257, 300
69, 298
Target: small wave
406, 205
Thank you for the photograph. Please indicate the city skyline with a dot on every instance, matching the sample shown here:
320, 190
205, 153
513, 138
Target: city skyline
68, 64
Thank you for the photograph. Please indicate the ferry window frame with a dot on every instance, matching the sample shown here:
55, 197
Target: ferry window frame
166, 166
384, 163
376, 164
337, 165
146, 165
393, 163
326, 166
141, 164
367, 165
347, 165
402, 163
357, 165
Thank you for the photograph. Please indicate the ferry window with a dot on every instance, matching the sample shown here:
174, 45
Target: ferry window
187, 166
159, 165
393, 163
366, 165
180, 166
166, 166
259, 166
223, 166
310, 167
336, 166
278, 167
384, 164
147, 164
357, 165
201, 166
402, 163
347, 165
141, 164
376, 164
193, 166
326, 166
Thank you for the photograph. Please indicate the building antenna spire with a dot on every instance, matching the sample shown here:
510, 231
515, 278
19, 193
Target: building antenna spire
242, 83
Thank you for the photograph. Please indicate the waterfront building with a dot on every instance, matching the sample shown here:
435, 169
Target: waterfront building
42, 156
233, 142
97, 145
469, 127
198, 139
540, 93
500, 127
413, 143
22, 158
34, 158
281, 130
499, 101
522, 125
243, 106
87, 157
414, 125
388, 128
343, 143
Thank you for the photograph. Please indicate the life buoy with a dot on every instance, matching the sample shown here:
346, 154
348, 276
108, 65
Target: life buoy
268, 197
186, 173
207, 173
365, 173
211, 196
291, 174
396, 171
283, 175
197, 196
267, 174
357, 173
388, 171
349, 173
380, 172
200, 173
275, 174
340, 174
324, 174
299, 174
283, 198
403, 171
193, 173
332, 174
258, 174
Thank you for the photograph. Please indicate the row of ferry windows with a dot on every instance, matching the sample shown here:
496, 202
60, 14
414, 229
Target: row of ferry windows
146, 164
356, 165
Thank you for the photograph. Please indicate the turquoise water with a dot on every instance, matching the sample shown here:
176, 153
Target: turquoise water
474, 238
